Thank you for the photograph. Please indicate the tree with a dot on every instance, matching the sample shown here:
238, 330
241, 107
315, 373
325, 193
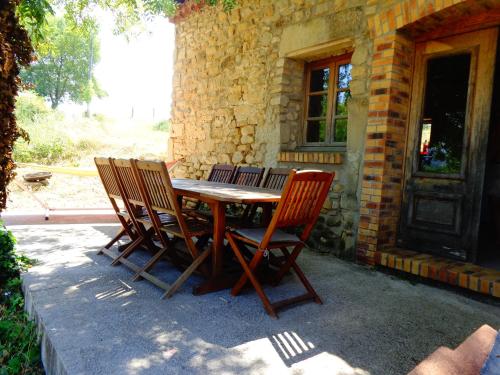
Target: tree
15, 51
64, 62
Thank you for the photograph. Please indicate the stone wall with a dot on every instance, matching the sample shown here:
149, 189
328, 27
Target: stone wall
239, 94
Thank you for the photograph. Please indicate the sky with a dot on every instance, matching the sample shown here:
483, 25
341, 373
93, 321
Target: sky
136, 74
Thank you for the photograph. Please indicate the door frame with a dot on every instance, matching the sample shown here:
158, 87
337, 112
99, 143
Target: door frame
477, 121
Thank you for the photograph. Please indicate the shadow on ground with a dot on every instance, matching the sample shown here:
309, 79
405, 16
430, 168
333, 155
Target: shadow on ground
99, 321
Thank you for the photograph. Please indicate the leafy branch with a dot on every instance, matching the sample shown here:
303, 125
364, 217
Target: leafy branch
33, 14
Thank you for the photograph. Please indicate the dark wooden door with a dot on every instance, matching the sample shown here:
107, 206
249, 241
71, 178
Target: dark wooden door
447, 141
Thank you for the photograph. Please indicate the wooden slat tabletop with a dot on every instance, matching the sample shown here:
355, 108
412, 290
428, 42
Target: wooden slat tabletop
224, 192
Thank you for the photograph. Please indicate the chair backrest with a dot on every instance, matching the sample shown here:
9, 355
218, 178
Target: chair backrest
128, 184
276, 178
222, 173
107, 178
156, 186
301, 201
248, 176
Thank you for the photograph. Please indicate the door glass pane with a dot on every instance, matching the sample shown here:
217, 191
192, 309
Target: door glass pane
341, 130
316, 131
443, 125
319, 80
318, 106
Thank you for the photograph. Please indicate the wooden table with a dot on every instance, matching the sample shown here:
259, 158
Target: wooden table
217, 196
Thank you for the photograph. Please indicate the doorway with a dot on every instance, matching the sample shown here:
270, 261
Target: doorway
447, 142
489, 232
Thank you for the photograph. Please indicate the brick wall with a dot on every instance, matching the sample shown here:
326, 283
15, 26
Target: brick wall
389, 106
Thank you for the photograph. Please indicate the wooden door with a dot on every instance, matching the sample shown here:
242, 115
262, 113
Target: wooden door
447, 141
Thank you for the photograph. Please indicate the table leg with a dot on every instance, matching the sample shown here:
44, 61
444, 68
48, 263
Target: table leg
267, 213
219, 212
217, 280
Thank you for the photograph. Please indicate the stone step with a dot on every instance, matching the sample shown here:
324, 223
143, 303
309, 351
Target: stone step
467, 359
462, 274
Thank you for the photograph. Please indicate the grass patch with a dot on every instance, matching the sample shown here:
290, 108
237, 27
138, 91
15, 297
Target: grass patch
162, 126
73, 140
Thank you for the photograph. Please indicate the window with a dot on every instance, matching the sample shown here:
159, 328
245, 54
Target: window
327, 92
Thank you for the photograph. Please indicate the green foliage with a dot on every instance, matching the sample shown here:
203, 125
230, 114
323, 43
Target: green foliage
49, 142
30, 108
32, 16
11, 264
46, 143
162, 126
19, 349
34, 13
227, 4
64, 60
8, 259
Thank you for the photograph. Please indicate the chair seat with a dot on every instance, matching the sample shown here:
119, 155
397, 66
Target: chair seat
195, 228
257, 234
164, 218
231, 220
141, 212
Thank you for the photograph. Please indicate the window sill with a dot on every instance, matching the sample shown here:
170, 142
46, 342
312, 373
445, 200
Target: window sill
312, 157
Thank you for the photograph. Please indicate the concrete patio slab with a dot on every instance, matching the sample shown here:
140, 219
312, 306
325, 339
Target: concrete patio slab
95, 320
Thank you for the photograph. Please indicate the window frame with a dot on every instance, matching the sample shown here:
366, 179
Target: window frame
333, 64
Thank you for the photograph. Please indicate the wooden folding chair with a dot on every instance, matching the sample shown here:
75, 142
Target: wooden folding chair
136, 208
222, 173
275, 180
300, 205
248, 176
160, 199
110, 185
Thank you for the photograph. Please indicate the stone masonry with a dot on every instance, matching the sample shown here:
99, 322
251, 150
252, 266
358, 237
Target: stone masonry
239, 94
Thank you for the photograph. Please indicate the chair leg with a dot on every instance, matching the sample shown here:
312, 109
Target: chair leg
150, 245
290, 259
249, 275
133, 246
150, 263
185, 275
119, 235
301, 275
254, 262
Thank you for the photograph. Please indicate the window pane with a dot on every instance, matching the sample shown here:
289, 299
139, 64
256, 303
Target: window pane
341, 130
442, 128
319, 80
344, 78
341, 106
318, 106
316, 131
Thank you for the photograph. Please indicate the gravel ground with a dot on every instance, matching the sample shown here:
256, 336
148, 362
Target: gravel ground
62, 191
97, 321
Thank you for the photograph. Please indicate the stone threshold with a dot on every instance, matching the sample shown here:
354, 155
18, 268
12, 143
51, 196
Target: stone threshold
465, 275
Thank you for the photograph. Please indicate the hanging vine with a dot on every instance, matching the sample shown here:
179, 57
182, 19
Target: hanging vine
15, 51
